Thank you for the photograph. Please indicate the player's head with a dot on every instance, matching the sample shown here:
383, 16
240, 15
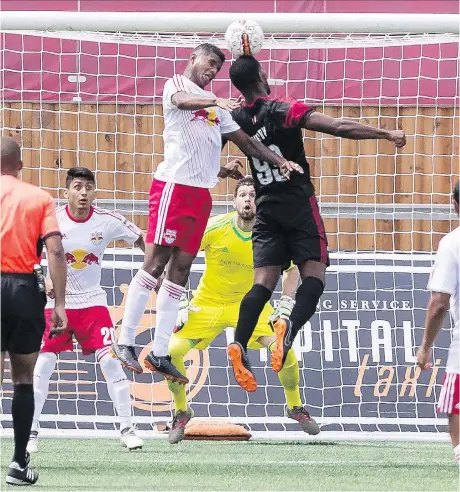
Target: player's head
455, 196
247, 75
81, 188
244, 198
10, 156
204, 63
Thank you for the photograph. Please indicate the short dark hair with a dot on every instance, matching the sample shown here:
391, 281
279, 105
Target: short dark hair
456, 192
246, 181
79, 172
244, 72
210, 49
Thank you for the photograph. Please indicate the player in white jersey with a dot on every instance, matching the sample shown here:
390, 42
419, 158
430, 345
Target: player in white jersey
86, 232
180, 202
444, 285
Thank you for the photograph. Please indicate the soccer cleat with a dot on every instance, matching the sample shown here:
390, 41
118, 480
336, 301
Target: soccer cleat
177, 430
21, 476
130, 440
283, 343
241, 367
162, 365
127, 356
308, 424
32, 445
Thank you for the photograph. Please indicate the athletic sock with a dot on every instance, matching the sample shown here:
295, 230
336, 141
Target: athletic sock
117, 386
306, 300
44, 368
178, 349
139, 292
289, 378
251, 306
22, 410
167, 309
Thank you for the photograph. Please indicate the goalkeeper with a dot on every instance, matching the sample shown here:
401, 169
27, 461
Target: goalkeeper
215, 306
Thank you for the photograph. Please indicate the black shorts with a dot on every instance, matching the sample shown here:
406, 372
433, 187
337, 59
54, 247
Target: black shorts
289, 231
23, 314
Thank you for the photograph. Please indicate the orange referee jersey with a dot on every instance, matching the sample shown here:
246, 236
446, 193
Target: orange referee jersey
27, 216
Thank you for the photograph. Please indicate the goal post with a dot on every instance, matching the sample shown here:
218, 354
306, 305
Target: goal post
212, 22
85, 89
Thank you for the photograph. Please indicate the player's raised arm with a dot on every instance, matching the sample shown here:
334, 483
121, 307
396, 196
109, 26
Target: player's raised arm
192, 102
341, 127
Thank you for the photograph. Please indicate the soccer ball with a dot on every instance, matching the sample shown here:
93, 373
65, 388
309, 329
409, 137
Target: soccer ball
244, 38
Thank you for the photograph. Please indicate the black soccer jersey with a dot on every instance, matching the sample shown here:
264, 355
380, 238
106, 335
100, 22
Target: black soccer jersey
277, 123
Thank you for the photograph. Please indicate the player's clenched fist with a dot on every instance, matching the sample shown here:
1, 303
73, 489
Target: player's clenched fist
398, 137
58, 321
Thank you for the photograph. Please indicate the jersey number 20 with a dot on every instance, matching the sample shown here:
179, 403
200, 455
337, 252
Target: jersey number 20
108, 334
265, 173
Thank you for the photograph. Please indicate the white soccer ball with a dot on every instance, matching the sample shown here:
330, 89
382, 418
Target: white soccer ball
244, 38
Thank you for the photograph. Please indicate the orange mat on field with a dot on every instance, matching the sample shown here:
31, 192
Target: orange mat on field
216, 431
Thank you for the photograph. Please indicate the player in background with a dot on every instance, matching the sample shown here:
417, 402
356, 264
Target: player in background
444, 285
227, 277
180, 202
86, 230
288, 223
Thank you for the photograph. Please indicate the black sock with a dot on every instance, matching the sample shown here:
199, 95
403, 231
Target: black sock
251, 306
306, 300
22, 409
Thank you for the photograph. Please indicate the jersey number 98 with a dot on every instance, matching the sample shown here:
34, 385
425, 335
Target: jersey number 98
265, 173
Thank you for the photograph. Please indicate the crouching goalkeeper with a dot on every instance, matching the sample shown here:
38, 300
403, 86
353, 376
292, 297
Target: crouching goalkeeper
227, 277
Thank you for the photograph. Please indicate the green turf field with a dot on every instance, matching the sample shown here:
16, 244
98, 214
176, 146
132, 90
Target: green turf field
101, 464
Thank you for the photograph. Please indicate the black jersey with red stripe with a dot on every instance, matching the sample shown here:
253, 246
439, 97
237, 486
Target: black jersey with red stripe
277, 123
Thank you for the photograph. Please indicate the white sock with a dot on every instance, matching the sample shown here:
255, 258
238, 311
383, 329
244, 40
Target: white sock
167, 308
117, 386
44, 368
138, 295
457, 454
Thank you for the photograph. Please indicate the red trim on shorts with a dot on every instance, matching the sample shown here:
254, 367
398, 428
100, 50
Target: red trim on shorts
91, 210
320, 226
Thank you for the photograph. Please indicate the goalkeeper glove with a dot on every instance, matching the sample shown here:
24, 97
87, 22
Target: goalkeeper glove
283, 309
182, 316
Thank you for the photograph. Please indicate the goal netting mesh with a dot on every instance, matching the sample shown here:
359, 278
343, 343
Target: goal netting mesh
94, 99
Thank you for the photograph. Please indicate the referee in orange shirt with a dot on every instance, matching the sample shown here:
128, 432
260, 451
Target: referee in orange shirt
27, 220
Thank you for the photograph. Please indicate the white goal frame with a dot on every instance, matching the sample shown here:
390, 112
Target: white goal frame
375, 29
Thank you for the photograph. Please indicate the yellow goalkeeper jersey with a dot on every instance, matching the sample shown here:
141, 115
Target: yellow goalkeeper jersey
229, 270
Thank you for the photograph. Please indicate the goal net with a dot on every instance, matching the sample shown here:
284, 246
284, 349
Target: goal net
93, 99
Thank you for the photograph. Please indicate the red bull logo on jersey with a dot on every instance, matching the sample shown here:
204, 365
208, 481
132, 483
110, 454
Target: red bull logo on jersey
79, 259
96, 238
208, 115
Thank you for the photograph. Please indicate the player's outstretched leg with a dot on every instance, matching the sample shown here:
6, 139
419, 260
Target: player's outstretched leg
306, 300
118, 388
241, 367
178, 348
139, 291
289, 378
158, 360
